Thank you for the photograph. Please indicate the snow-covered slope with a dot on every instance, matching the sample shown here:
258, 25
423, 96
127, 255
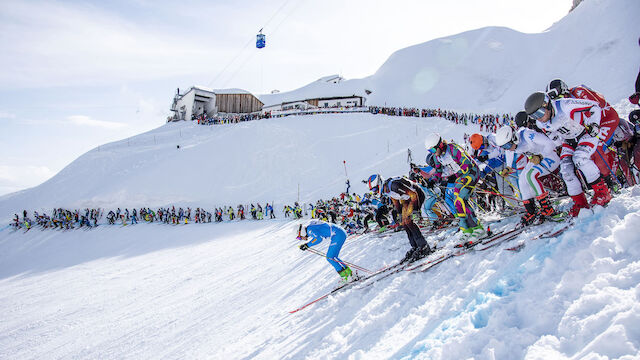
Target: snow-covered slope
494, 69
223, 291
257, 161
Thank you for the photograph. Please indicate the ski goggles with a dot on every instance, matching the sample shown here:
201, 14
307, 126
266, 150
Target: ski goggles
554, 94
507, 146
538, 114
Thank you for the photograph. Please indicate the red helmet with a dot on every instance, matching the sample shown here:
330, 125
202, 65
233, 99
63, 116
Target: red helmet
477, 141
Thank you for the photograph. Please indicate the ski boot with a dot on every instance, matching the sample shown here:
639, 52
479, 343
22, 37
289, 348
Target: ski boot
612, 184
546, 211
466, 232
478, 231
346, 275
602, 195
579, 202
408, 257
419, 253
531, 215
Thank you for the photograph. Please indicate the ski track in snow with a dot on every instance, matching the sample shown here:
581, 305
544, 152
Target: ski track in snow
223, 291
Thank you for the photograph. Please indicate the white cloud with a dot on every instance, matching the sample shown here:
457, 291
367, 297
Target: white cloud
83, 120
14, 178
63, 44
6, 115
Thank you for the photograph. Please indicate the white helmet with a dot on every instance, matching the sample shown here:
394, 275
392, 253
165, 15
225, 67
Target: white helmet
506, 135
300, 228
432, 140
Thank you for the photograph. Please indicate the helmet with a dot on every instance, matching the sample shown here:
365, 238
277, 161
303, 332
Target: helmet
536, 104
374, 182
431, 158
477, 141
522, 119
434, 140
557, 88
506, 136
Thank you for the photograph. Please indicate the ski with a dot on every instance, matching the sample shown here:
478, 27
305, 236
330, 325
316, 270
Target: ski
549, 234
430, 262
376, 276
361, 280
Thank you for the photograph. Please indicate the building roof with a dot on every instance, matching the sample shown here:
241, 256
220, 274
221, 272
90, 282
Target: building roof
231, 91
323, 88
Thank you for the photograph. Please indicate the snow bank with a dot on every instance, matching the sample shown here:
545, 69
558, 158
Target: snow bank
494, 69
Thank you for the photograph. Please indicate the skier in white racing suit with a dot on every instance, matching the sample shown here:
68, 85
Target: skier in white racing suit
577, 121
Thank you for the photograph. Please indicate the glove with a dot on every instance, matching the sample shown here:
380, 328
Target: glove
593, 130
304, 247
536, 159
634, 98
506, 171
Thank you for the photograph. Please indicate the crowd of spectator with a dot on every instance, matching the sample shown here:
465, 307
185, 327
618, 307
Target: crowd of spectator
63, 219
228, 118
487, 122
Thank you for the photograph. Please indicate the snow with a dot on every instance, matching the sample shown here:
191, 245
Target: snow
224, 291
258, 161
494, 69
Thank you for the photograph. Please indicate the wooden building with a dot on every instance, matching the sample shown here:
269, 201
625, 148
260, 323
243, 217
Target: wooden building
237, 103
199, 100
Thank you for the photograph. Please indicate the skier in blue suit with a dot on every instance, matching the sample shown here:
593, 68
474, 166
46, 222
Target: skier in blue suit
317, 231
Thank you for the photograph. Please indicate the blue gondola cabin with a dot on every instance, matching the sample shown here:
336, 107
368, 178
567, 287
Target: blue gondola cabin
260, 41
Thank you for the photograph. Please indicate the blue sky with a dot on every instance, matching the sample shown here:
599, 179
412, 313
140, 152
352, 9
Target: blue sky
79, 74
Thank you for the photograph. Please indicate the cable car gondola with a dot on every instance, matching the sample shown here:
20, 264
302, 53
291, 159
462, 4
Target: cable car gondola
260, 40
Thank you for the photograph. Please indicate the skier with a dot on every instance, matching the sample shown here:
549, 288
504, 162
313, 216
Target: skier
466, 172
315, 232
577, 121
543, 160
408, 197
423, 175
260, 213
609, 121
269, 210
493, 160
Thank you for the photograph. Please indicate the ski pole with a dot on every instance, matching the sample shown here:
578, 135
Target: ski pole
345, 263
608, 167
503, 196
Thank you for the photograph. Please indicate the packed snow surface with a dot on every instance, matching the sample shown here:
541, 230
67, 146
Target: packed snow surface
223, 291
274, 160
